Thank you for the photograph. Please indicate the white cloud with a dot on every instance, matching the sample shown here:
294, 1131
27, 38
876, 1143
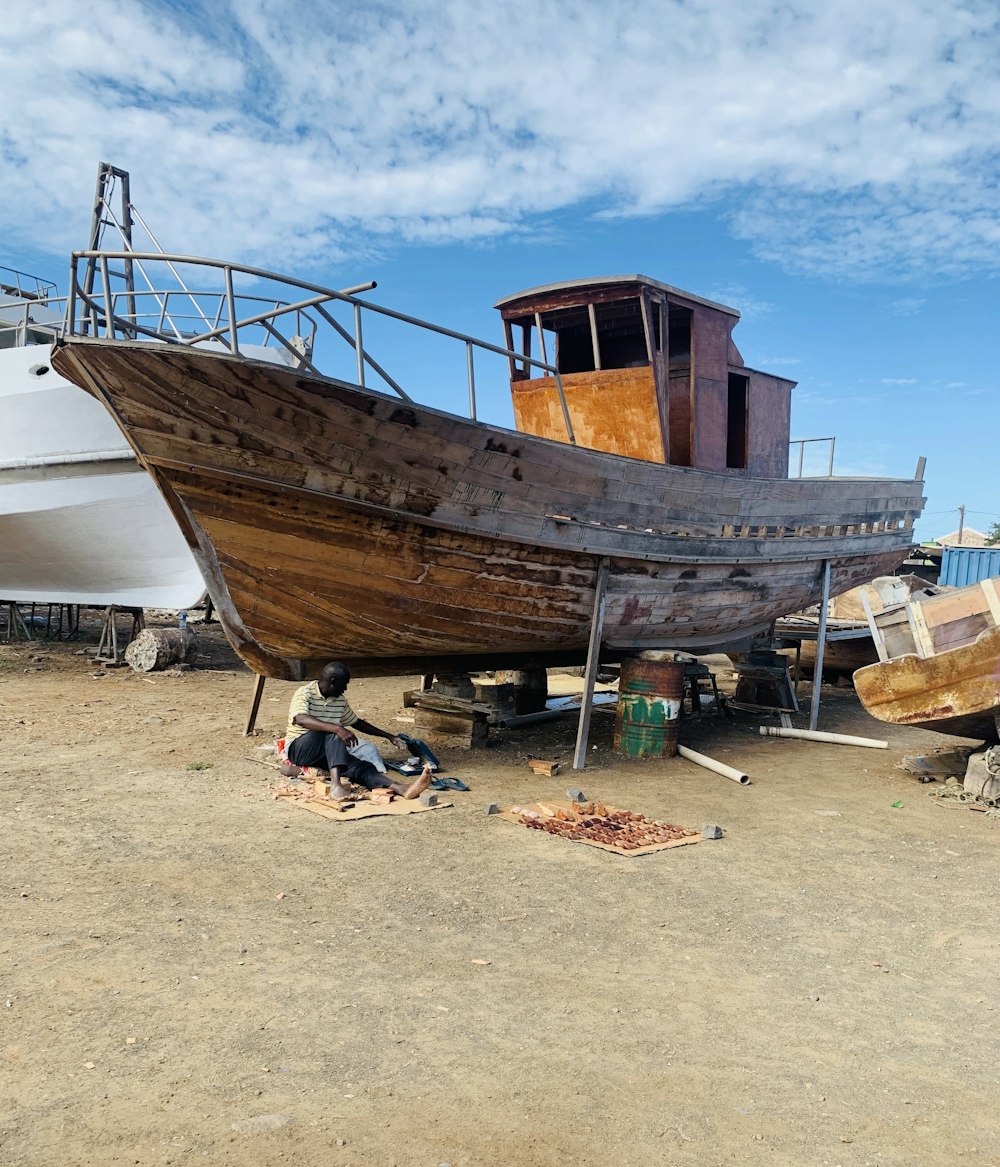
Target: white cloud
853, 138
908, 306
898, 381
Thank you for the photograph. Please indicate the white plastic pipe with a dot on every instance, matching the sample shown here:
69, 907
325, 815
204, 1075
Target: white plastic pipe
714, 766
815, 735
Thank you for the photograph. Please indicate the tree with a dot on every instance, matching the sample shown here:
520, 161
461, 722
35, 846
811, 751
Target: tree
993, 534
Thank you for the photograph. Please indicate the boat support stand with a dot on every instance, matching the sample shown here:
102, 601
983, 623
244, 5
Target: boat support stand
258, 692
593, 660
817, 689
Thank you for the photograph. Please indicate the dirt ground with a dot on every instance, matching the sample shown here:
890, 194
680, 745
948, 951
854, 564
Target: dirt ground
193, 972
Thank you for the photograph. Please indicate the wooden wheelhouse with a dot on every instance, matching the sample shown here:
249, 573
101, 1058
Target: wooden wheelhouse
646, 371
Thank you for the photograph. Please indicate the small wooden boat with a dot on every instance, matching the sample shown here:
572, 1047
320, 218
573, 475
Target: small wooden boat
940, 663
334, 520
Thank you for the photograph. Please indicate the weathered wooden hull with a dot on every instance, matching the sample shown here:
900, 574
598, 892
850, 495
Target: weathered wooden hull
335, 522
956, 692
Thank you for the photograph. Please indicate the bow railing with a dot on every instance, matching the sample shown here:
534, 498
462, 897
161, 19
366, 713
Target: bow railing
104, 301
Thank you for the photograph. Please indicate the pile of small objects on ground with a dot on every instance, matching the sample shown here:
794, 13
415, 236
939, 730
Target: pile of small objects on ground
595, 822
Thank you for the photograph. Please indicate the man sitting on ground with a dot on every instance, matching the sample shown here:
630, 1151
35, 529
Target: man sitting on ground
321, 730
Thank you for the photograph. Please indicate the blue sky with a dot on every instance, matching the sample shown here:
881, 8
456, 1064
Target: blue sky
830, 170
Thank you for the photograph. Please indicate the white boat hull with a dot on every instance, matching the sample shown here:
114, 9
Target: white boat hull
80, 521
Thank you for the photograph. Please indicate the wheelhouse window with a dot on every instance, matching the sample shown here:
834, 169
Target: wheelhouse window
587, 337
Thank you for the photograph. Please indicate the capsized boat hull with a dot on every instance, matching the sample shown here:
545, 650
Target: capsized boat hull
955, 692
80, 520
331, 521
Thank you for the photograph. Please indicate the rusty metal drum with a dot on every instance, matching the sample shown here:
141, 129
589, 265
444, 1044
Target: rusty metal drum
649, 705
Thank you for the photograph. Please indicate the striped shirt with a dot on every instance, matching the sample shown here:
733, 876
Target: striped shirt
308, 699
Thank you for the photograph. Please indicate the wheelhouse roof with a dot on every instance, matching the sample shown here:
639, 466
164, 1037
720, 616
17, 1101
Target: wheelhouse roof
594, 282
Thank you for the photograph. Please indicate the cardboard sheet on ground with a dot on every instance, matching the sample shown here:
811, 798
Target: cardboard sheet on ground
544, 809
361, 809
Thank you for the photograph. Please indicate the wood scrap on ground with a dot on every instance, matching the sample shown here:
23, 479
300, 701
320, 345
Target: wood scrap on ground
366, 804
623, 831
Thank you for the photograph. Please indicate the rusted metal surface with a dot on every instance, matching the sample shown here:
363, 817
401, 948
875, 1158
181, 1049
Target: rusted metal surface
956, 692
649, 707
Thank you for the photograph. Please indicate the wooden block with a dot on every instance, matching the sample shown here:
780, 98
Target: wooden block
500, 698
467, 729
544, 766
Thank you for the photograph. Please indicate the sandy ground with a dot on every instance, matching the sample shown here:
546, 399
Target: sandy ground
195, 973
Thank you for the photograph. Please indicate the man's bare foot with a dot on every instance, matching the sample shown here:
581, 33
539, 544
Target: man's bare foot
420, 784
338, 793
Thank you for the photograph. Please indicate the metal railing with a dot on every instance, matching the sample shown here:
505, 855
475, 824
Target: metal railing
802, 442
225, 317
25, 286
20, 317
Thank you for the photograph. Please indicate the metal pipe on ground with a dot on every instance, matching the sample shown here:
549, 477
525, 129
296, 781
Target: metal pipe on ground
716, 767
515, 722
812, 735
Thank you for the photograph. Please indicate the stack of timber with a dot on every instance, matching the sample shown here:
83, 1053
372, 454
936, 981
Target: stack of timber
451, 721
939, 663
332, 520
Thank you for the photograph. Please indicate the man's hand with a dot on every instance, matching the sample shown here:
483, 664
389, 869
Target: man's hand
347, 736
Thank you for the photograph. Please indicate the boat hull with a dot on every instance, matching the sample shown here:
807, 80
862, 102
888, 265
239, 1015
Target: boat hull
334, 522
80, 520
955, 692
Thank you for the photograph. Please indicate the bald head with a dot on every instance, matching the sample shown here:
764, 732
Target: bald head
334, 679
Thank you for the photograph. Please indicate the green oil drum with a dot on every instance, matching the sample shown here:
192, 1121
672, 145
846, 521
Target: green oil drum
649, 705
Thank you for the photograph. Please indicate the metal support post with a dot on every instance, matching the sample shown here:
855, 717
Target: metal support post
593, 660
820, 648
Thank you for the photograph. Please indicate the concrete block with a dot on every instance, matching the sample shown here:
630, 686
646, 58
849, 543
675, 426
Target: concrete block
982, 774
493, 808
711, 831
575, 794
428, 798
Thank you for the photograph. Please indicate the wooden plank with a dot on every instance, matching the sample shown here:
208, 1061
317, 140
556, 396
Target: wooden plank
876, 631
453, 729
992, 600
258, 693
610, 411
952, 606
545, 767
918, 626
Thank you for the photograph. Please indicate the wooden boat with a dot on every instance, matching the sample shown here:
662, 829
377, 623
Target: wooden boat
80, 520
334, 520
940, 663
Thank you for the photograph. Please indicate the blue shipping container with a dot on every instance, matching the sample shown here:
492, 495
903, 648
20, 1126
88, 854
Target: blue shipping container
961, 566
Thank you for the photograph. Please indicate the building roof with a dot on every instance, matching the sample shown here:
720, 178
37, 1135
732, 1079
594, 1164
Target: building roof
970, 538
